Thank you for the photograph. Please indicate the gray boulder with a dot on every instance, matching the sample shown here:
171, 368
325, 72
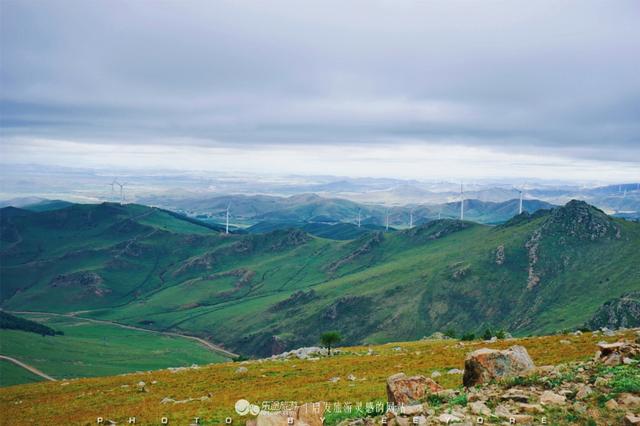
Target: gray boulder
484, 365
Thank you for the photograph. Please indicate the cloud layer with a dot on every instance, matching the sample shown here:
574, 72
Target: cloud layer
543, 78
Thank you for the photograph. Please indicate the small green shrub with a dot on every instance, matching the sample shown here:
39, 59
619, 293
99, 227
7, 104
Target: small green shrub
625, 379
459, 400
487, 334
435, 400
468, 336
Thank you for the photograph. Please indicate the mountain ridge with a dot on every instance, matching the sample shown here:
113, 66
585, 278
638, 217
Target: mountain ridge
141, 265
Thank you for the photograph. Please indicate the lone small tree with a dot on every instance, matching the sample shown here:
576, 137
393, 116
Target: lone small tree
488, 334
329, 339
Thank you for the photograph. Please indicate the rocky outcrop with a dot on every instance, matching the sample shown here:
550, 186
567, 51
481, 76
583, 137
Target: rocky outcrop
365, 245
500, 256
347, 305
460, 271
410, 390
580, 220
199, 263
277, 345
298, 298
305, 353
289, 239
618, 353
484, 365
617, 313
564, 394
88, 282
573, 223
532, 245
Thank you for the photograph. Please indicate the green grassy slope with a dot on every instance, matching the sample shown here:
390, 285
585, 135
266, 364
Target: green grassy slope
88, 349
262, 293
11, 374
333, 231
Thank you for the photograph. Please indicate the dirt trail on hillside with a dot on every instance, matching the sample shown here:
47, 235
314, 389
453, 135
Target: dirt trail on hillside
208, 345
27, 367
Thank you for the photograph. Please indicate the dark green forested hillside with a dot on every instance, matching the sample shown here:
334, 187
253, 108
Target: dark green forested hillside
12, 322
265, 292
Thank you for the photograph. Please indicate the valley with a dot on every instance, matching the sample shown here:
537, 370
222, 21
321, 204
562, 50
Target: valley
89, 349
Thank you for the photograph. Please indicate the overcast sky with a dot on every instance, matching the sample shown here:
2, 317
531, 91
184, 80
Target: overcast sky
416, 89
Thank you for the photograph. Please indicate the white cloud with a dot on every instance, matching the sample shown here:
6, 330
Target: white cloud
408, 161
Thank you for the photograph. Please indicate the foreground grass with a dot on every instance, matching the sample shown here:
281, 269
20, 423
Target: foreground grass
117, 398
88, 349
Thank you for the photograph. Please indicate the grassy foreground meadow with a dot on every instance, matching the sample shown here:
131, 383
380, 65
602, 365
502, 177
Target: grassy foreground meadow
88, 349
210, 392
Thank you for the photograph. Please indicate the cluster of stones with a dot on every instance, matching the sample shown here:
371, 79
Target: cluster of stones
491, 398
493, 394
618, 353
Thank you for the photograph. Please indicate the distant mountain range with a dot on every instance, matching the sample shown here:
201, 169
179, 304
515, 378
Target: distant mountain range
196, 193
261, 293
311, 208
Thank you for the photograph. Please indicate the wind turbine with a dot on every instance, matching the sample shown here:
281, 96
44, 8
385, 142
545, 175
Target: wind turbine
226, 231
121, 185
520, 206
358, 218
387, 220
461, 203
410, 218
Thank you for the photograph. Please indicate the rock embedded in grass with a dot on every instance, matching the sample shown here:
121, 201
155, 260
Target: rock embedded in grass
309, 414
484, 365
551, 398
616, 353
629, 400
402, 389
631, 420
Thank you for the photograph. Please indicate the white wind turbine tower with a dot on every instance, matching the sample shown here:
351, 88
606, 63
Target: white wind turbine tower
226, 231
386, 221
461, 203
520, 206
121, 185
410, 218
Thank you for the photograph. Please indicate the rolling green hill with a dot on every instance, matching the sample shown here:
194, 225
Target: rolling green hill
46, 205
333, 231
263, 293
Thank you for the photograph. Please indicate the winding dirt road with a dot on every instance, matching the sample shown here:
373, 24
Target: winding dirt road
208, 345
27, 367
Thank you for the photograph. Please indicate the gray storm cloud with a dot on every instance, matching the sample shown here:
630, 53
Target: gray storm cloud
544, 76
